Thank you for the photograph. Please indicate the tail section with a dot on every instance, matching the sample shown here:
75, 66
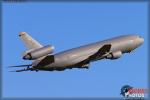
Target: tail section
30, 43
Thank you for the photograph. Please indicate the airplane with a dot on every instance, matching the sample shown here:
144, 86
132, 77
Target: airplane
80, 57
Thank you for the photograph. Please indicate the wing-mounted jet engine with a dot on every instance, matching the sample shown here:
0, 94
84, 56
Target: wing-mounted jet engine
114, 55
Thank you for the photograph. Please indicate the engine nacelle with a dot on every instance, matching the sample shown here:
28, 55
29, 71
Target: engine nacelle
114, 55
37, 53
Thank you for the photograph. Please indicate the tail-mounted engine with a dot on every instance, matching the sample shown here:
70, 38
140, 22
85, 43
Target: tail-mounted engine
37, 53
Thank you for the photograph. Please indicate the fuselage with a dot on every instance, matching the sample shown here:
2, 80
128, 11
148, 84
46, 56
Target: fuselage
69, 58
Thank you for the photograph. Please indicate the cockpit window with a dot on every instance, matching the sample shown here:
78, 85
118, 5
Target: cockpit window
140, 37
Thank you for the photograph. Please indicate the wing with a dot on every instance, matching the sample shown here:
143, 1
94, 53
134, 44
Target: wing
101, 53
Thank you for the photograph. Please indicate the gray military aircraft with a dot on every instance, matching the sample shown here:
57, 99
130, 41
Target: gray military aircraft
80, 57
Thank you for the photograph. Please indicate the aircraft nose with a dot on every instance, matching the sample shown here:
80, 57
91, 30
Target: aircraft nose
140, 40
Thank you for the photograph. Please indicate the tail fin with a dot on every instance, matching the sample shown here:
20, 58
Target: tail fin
30, 43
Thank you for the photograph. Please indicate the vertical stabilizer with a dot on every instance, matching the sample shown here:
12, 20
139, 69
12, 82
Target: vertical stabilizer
29, 42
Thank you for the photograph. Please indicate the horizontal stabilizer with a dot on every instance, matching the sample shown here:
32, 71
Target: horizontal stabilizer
20, 66
25, 69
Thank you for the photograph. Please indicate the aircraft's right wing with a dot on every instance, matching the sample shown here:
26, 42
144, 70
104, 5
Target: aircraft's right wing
101, 53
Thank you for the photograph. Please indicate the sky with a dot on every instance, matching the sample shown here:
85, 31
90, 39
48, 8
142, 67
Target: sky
67, 25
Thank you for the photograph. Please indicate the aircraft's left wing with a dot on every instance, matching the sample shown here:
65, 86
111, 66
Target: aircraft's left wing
101, 53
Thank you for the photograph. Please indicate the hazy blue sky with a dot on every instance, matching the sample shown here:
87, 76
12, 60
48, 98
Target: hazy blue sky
67, 25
